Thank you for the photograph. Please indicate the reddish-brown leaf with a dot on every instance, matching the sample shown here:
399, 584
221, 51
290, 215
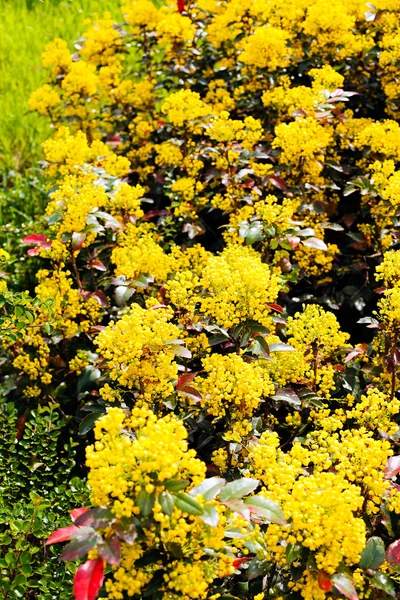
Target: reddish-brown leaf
61, 535
181, 6
97, 264
392, 467
276, 307
77, 512
89, 579
393, 553
101, 298
183, 380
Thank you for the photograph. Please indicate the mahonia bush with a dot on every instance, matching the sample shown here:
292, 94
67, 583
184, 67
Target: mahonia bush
216, 312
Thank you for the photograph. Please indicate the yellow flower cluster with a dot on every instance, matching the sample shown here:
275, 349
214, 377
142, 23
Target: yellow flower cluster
316, 327
375, 412
140, 351
121, 466
131, 463
232, 386
239, 287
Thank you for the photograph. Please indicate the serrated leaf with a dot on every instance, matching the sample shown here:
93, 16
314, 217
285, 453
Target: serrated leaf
210, 515
61, 535
187, 504
266, 508
145, 502
238, 488
373, 554
293, 552
209, 488
257, 568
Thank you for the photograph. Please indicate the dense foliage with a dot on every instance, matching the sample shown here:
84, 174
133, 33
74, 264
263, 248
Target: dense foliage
212, 341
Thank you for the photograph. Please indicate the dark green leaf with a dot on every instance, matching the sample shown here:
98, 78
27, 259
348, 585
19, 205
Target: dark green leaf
373, 554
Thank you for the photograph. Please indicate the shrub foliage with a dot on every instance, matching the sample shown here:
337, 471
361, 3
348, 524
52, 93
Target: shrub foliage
214, 331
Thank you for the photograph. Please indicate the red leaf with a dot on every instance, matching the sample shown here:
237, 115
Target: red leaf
61, 535
101, 298
34, 238
77, 512
21, 425
324, 581
293, 240
276, 307
359, 351
183, 380
315, 243
393, 553
89, 579
238, 561
97, 264
392, 467
344, 586
77, 240
155, 213
181, 5
279, 183
34, 251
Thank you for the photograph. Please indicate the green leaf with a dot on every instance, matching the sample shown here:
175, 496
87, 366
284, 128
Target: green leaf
287, 395
145, 502
188, 504
88, 378
281, 347
238, 488
88, 422
384, 583
373, 554
209, 488
167, 503
176, 485
210, 515
257, 568
293, 552
266, 508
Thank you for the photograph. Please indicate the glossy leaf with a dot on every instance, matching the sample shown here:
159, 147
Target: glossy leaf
210, 515
209, 488
61, 535
89, 579
373, 554
393, 553
238, 488
187, 504
84, 539
267, 509
344, 586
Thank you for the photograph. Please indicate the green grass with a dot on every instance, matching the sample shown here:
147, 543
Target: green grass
25, 27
